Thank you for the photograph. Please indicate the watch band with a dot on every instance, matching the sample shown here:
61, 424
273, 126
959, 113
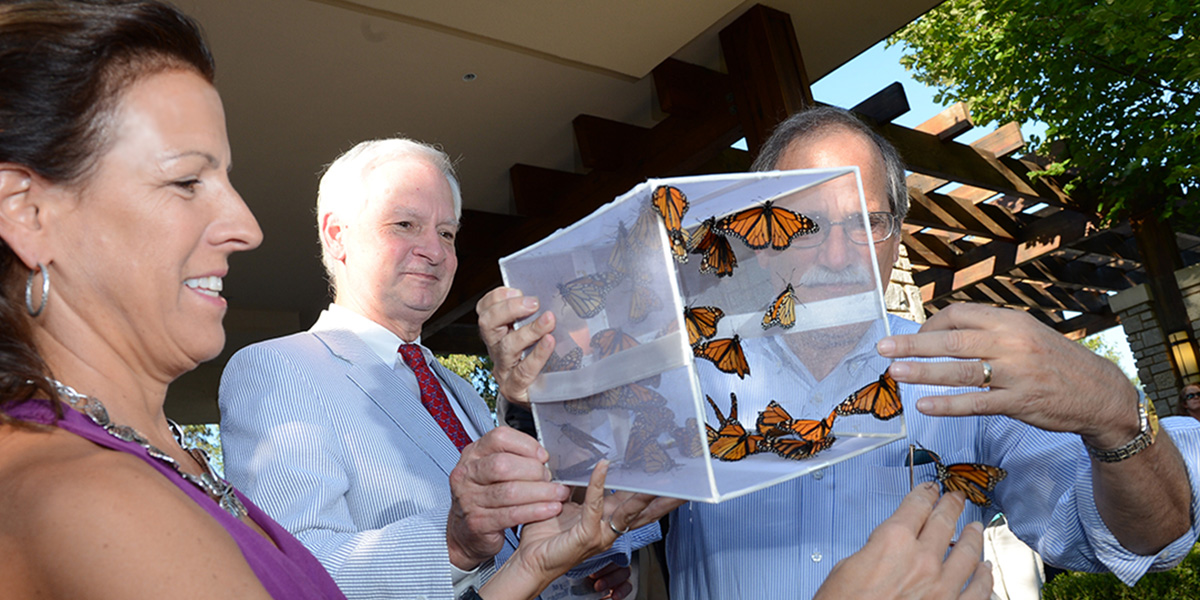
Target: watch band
470, 594
1142, 441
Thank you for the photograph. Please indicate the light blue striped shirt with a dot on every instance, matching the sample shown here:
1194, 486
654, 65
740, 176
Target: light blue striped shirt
781, 542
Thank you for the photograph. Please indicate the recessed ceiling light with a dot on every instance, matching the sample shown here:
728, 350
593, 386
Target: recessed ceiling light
469, 77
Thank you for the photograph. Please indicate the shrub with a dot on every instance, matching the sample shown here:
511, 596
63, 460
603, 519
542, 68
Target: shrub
1180, 583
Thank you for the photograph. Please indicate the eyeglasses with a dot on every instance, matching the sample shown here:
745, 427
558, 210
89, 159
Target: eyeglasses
880, 225
1191, 396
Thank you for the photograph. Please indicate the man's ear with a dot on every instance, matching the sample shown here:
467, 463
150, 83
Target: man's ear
332, 229
22, 214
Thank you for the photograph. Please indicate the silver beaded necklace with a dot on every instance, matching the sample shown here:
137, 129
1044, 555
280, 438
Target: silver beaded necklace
216, 488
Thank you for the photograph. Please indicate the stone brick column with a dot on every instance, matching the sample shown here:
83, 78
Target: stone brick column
902, 296
1148, 342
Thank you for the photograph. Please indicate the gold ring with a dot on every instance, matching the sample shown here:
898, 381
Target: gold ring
987, 374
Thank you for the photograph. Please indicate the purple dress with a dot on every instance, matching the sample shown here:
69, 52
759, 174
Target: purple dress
286, 568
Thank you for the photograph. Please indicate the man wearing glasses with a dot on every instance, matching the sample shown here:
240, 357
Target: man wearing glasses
1090, 486
1190, 397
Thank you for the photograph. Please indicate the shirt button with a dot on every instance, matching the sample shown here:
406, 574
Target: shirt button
818, 474
816, 556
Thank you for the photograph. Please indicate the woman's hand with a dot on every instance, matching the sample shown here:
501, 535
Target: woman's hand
905, 557
550, 548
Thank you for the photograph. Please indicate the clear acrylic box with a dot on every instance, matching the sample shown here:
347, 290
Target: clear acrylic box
631, 382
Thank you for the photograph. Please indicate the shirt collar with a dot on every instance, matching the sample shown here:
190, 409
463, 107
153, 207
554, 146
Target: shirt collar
378, 338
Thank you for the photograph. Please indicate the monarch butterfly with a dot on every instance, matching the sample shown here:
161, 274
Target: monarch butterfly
880, 398
671, 204
687, 439
732, 442
639, 397
679, 245
621, 259
567, 362
640, 434
766, 225
608, 342
974, 479
654, 459
701, 322
799, 449
726, 354
775, 421
610, 398
585, 295
718, 254
582, 439
644, 234
782, 311
643, 302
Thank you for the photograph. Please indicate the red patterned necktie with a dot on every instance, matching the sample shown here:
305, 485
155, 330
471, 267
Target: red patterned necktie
433, 397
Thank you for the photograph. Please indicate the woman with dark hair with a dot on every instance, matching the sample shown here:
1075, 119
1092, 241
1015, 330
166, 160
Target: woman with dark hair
117, 219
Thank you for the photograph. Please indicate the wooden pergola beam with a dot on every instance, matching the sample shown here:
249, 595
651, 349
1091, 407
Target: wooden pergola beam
1041, 238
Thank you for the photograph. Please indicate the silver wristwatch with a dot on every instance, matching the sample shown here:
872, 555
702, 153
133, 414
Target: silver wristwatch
1148, 420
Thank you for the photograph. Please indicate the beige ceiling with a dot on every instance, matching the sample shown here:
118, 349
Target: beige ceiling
303, 80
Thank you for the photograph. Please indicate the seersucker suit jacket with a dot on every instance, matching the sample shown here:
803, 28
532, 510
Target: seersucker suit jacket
320, 433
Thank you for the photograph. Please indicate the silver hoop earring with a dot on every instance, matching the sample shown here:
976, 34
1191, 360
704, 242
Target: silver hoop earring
33, 312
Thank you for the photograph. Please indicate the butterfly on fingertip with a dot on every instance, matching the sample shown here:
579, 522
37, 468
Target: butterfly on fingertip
976, 480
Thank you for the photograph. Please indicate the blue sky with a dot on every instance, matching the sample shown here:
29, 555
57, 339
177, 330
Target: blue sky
876, 69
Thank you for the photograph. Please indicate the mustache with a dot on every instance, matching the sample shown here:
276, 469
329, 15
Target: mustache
853, 274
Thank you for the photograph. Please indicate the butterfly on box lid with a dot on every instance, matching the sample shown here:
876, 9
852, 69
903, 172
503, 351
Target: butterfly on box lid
766, 225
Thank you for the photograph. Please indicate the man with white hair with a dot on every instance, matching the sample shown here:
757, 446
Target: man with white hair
381, 461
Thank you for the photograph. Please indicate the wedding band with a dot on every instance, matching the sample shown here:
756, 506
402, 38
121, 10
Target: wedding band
987, 374
615, 530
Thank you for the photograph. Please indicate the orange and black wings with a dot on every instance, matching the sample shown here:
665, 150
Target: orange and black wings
701, 322
766, 225
782, 311
880, 398
567, 362
671, 204
975, 480
611, 341
775, 421
585, 295
726, 354
719, 258
796, 449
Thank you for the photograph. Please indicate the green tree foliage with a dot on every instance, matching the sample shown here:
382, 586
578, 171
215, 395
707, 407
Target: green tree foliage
1117, 80
1180, 583
1097, 345
477, 370
206, 437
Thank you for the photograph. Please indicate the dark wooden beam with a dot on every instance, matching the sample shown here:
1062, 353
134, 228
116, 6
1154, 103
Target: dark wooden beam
608, 145
1079, 327
925, 153
766, 71
885, 105
1042, 238
539, 191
